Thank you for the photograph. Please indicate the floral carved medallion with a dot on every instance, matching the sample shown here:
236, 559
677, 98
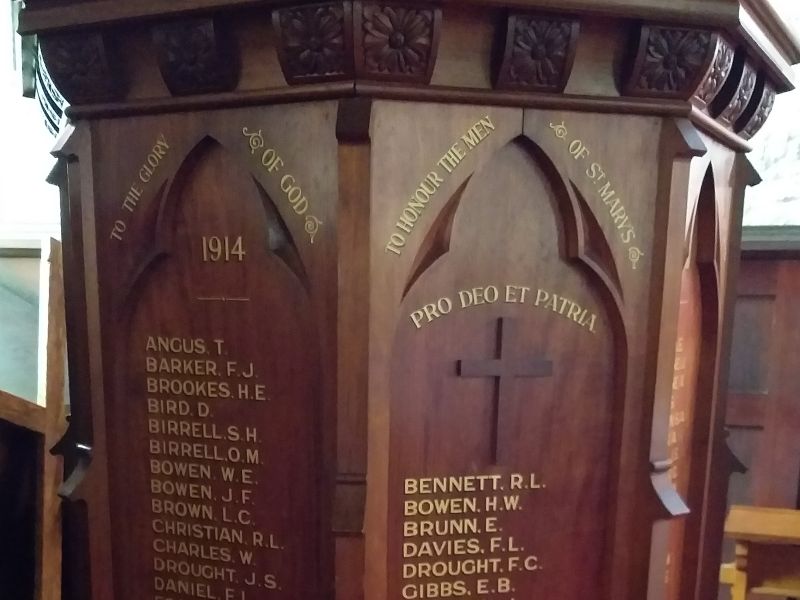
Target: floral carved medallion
539, 53
315, 42
672, 61
395, 41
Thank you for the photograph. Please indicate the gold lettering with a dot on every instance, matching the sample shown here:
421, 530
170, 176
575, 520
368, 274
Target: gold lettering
511, 294
432, 182
607, 194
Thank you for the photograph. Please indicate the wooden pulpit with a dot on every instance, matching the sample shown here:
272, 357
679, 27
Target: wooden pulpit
402, 300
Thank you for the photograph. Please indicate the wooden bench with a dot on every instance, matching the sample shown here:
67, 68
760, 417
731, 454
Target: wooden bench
767, 552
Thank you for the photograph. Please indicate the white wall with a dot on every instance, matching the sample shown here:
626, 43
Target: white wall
776, 153
29, 207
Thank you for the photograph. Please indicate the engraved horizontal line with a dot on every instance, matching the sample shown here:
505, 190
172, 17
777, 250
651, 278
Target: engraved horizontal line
221, 299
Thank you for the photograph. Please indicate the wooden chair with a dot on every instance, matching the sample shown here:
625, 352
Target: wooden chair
767, 552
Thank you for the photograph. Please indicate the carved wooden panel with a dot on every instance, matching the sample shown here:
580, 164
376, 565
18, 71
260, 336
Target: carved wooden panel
396, 41
672, 62
207, 407
82, 66
315, 41
539, 52
481, 417
217, 398
505, 319
483, 289
195, 56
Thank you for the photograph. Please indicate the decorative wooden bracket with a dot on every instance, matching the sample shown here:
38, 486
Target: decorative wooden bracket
373, 40
80, 66
195, 56
538, 52
315, 42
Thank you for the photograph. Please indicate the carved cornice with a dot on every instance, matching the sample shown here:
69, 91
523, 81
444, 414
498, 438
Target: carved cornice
80, 66
194, 56
391, 49
538, 52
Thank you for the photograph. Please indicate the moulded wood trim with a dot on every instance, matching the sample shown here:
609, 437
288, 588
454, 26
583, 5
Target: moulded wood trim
761, 43
22, 413
784, 35
388, 91
320, 91
771, 242
109, 12
106, 12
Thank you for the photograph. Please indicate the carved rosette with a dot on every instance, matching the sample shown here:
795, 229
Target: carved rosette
315, 42
195, 57
741, 98
672, 62
718, 73
79, 65
751, 122
397, 42
539, 53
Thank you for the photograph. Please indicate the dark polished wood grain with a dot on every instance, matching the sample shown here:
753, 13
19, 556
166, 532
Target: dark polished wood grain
762, 401
383, 300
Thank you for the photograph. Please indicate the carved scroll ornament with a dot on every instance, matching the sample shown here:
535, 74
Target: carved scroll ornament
717, 74
752, 122
741, 97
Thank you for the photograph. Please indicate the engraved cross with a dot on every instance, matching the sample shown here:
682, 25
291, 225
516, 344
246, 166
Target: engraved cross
504, 370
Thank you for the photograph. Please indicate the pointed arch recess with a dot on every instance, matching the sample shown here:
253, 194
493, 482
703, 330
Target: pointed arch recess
278, 236
701, 274
280, 253
584, 247
581, 238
